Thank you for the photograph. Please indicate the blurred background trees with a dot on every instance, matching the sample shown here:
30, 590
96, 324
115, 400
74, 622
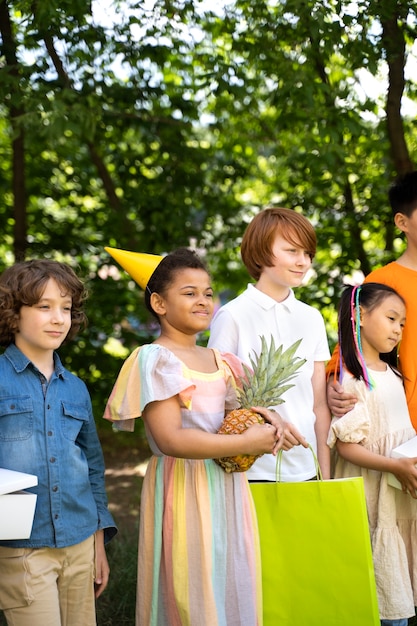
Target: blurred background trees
160, 123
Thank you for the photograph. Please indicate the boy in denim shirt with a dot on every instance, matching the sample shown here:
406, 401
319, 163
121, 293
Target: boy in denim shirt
47, 429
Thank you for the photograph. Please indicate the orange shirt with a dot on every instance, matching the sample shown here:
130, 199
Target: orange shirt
404, 281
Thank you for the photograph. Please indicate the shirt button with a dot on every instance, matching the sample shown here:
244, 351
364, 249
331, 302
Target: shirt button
52, 459
55, 488
56, 516
12, 406
49, 433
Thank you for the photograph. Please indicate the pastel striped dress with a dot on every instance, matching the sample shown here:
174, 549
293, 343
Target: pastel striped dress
199, 559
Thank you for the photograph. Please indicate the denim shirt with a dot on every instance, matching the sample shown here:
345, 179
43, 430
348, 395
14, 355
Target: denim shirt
48, 429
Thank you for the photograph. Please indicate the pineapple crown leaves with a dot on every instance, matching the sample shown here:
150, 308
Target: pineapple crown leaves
272, 370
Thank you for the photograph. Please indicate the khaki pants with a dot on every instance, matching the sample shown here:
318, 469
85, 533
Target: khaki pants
48, 586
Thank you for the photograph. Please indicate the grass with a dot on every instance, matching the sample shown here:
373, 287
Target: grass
116, 607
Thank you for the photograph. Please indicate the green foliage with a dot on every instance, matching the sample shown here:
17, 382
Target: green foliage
172, 124
116, 606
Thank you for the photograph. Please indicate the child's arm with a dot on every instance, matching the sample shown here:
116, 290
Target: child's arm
102, 566
323, 418
163, 419
338, 400
404, 470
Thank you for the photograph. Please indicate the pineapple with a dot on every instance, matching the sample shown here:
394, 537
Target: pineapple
264, 385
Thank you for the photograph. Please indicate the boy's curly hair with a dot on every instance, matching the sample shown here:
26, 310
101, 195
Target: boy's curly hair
23, 285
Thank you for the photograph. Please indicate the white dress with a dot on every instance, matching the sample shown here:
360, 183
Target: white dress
380, 421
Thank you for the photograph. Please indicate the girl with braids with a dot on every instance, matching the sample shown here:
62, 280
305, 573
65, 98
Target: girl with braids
371, 321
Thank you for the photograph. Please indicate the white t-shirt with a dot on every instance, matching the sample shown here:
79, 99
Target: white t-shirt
237, 328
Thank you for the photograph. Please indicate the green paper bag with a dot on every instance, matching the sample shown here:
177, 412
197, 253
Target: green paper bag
317, 567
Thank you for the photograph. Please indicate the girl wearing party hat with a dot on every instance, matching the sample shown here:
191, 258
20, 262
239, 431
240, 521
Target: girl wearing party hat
198, 545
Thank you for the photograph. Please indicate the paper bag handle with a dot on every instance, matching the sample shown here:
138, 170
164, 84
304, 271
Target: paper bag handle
316, 463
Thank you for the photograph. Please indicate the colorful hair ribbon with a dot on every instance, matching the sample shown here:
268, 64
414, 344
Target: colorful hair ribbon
355, 316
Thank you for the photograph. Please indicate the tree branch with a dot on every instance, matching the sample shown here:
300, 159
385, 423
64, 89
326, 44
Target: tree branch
96, 158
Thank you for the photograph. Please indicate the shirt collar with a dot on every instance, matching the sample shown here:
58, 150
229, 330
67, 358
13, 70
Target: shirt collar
20, 361
266, 302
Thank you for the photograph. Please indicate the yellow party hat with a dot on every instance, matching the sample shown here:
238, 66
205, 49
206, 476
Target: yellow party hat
139, 265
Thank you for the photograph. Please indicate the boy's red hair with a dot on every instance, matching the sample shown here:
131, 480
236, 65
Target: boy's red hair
259, 237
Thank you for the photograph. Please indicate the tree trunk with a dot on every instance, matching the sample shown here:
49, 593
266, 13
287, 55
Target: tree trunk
394, 44
18, 143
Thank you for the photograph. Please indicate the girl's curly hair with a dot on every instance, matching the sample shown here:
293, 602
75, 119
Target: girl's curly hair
23, 285
164, 274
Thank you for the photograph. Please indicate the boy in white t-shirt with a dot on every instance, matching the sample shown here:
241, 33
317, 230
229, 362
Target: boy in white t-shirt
277, 249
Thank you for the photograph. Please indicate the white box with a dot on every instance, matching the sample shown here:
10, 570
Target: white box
17, 508
405, 450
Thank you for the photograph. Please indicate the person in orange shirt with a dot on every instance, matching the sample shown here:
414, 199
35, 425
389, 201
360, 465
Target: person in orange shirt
401, 275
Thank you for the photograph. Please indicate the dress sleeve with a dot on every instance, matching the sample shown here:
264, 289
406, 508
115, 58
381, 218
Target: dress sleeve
234, 372
353, 427
151, 373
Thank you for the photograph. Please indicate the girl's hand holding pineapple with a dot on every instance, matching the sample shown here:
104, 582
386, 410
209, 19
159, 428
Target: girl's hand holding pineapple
258, 439
287, 435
